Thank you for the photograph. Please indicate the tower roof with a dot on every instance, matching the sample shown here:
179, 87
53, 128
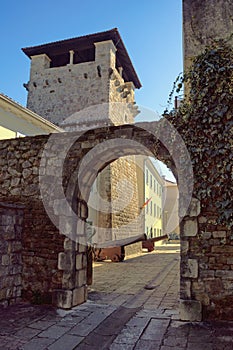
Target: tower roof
87, 42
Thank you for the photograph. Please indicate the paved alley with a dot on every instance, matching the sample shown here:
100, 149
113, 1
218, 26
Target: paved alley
132, 305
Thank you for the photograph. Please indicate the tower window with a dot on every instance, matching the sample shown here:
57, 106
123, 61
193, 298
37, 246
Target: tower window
60, 60
80, 56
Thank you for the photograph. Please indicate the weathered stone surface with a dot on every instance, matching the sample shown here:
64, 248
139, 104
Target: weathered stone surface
194, 208
185, 289
199, 27
11, 221
219, 234
190, 269
184, 246
206, 247
190, 310
62, 298
79, 296
190, 228
79, 258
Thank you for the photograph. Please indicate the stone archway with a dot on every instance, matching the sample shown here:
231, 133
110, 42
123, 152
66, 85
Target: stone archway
53, 235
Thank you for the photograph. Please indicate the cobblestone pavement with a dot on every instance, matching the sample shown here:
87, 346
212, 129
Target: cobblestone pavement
132, 305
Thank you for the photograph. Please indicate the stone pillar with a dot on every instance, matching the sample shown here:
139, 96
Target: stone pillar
105, 54
190, 309
204, 22
73, 263
71, 57
39, 63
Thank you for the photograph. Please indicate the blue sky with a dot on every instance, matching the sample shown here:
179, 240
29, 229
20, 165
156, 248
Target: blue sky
150, 29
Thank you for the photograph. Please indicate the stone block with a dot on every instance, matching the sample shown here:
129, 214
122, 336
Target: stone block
6, 220
194, 208
70, 341
68, 244
222, 249
15, 247
15, 181
190, 228
62, 298
5, 260
224, 274
190, 268
185, 289
82, 248
61, 261
79, 296
8, 233
65, 225
184, 247
230, 261
84, 261
81, 277
207, 273
79, 258
219, 234
81, 232
62, 207
202, 220
206, 235
190, 310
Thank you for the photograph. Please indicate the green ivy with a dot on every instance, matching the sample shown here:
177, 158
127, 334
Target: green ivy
205, 122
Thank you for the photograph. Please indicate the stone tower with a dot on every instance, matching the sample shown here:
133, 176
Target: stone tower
203, 22
82, 83
70, 75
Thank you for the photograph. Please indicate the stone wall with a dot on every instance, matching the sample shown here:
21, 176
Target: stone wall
11, 227
206, 266
48, 261
206, 246
125, 197
54, 267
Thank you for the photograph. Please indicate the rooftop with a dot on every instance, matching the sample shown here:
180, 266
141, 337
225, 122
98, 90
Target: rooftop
15, 117
84, 44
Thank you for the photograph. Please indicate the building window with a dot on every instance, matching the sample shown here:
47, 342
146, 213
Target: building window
151, 206
147, 230
150, 181
154, 185
147, 206
157, 231
154, 232
155, 210
147, 177
151, 232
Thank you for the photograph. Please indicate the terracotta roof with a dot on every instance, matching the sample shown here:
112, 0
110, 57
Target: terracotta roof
86, 42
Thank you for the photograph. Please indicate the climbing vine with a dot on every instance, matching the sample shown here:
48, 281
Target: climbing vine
205, 122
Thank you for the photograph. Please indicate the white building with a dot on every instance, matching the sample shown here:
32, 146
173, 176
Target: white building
171, 217
17, 121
